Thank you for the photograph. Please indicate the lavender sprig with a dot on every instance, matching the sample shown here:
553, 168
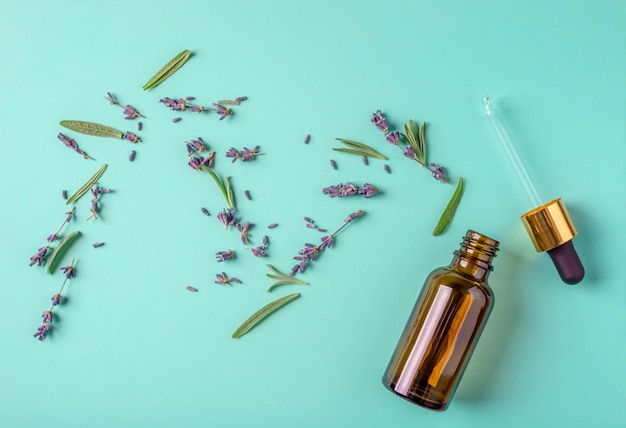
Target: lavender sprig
222, 256
183, 104
96, 191
42, 252
311, 252
48, 316
415, 143
245, 155
71, 143
348, 189
130, 112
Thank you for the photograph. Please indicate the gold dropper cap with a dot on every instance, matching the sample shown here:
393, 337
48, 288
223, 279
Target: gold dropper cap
549, 225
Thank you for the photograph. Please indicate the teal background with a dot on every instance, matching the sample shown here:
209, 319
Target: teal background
133, 348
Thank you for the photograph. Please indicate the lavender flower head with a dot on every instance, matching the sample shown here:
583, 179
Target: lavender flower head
56, 299
132, 137
130, 112
438, 172
39, 256
224, 255
380, 122
47, 316
69, 271
349, 189
226, 217
223, 279
42, 331
245, 155
393, 137
222, 111
243, 231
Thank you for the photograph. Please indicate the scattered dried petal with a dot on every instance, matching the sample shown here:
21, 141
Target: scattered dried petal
64, 194
333, 164
386, 168
364, 158
139, 125
272, 226
190, 288
97, 244
177, 119
307, 137
131, 157
204, 211
247, 195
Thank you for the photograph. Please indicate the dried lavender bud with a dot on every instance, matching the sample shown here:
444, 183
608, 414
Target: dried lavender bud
364, 158
386, 168
64, 194
56, 299
225, 255
226, 217
243, 231
97, 244
139, 124
247, 195
177, 119
190, 288
204, 211
438, 172
307, 137
272, 226
333, 164
132, 137
131, 157
190, 98
308, 219
322, 230
311, 226
222, 111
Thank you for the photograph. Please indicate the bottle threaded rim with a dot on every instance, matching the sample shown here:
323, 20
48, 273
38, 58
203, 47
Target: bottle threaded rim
479, 248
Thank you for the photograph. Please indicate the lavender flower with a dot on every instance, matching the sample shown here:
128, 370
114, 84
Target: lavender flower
64, 194
408, 152
243, 231
311, 252
379, 121
240, 99
260, 250
225, 255
204, 211
131, 113
307, 137
247, 195
131, 156
132, 137
96, 191
177, 119
97, 244
227, 218
56, 299
272, 226
393, 138
42, 330
68, 271
222, 111
333, 164
47, 316
196, 145
348, 189
223, 279
71, 143
386, 168
39, 256
438, 172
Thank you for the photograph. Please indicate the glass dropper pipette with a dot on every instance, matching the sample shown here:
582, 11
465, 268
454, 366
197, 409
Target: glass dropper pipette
548, 225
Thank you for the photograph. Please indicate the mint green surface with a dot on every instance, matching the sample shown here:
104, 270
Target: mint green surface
133, 348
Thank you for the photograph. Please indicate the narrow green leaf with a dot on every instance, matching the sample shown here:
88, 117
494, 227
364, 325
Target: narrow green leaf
220, 185
167, 70
422, 139
285, 282
229, 192
363, 147
273, 269
228, 102
85, 187
260, 315
356, 152
287, 278
91, 128
57, 255
448, 213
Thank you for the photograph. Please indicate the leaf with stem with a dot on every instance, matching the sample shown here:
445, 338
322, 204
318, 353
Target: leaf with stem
57, 255
85, 187
262, 313
448, 213
167, 70
282, 279
411, 136
220, 184
91, 128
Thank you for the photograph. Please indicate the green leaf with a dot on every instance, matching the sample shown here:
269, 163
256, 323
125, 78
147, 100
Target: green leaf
167, 70
286, 282
448, 213
273, 269
57, 255
262, 313
91, 128
411, 136
220, 185
229, 192
354, 152
355, 145
85, 187
422, 139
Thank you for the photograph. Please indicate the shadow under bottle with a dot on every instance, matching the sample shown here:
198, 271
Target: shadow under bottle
444, 327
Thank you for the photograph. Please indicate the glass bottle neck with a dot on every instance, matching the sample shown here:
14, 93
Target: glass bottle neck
474, 257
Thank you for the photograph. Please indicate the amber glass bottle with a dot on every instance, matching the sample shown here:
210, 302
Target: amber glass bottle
444, 327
